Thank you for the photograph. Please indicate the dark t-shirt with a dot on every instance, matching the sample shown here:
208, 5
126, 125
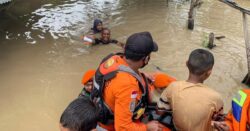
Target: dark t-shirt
99, 41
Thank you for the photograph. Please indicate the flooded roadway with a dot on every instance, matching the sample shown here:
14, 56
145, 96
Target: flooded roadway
42, 59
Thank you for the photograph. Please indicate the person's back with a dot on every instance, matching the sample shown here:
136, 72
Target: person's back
193, 104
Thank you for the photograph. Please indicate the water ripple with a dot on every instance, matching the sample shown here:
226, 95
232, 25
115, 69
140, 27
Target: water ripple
62, 20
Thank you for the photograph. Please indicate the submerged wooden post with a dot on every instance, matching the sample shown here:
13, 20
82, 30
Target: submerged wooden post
191, 15
246, 80
192, 11
211, 44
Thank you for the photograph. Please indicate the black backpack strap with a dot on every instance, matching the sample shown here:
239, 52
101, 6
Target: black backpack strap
146, 88
106, 115
106, 78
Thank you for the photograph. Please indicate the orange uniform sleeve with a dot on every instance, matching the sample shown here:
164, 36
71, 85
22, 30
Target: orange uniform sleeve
229, 120
124, 105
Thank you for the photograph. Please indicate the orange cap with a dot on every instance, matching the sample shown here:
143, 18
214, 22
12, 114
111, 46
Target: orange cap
162, 80
88, 76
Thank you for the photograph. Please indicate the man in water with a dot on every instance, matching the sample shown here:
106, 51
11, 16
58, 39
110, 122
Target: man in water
105, 39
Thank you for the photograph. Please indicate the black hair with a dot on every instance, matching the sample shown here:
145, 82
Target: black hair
105, 29
200, 61
80, 115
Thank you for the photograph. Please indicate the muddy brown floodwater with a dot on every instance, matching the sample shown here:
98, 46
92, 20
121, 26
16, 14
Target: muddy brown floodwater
42, 60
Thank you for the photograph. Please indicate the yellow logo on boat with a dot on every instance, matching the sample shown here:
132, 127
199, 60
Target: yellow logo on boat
109, 63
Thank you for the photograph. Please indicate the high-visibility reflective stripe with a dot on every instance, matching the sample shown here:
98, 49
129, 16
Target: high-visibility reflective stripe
240, 98
133, 73
96, 85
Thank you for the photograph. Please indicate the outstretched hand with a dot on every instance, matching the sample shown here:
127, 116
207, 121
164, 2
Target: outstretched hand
154, 126
220, 125
121, 44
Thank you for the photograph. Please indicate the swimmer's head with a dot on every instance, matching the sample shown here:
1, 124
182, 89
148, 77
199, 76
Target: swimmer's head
106, 33
97, 27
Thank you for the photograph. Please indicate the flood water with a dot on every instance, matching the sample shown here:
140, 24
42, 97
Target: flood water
42, 59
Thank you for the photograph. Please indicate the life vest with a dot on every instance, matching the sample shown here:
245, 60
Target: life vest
107, 70
240, 107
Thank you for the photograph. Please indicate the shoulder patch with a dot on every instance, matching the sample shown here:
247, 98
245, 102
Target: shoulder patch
109, 63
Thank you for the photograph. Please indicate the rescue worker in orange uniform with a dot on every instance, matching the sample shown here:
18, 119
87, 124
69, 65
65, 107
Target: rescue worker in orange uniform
125, 93
238, 119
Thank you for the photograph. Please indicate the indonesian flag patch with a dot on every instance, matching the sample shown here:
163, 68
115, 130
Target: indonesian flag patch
134, 94
133, 101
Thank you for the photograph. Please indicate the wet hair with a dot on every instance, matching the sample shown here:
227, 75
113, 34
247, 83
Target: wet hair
200, 61
105, 29
94, 28
80, 115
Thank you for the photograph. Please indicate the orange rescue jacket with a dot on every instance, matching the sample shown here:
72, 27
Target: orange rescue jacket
121, 94
238, 118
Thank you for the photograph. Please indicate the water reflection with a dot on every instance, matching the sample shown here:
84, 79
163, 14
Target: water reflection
63, 19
